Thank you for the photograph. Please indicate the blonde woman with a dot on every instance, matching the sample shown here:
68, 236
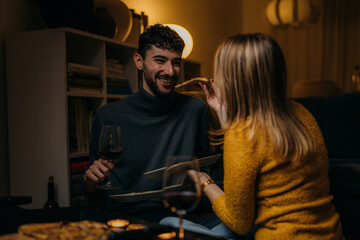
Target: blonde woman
275, 159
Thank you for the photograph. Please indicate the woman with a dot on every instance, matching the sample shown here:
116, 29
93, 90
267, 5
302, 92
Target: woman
275, 159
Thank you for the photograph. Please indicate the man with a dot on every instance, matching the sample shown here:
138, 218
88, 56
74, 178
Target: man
155, 122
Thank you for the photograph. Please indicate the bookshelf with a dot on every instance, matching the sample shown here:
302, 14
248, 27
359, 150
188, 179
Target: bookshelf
44, 115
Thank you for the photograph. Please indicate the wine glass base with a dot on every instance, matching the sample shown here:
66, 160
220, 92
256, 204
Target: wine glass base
109, 187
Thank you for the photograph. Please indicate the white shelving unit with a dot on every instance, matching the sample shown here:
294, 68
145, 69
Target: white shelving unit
38, 101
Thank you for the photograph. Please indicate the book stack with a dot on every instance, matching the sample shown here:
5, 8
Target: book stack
117, 82
83, 78
80, 121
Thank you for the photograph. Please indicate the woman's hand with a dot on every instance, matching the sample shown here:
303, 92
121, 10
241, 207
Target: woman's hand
210, 94
212, 191
200, 176
213, 101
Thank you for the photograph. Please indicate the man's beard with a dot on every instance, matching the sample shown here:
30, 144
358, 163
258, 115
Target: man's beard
154, 87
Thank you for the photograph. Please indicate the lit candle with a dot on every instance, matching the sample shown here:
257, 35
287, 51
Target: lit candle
135, 227
167, 235
118, 223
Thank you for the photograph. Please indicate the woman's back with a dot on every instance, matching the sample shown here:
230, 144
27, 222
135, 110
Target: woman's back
294, 197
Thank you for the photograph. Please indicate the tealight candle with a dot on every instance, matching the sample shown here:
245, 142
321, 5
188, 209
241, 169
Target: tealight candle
168, 235
135, 227
118, 223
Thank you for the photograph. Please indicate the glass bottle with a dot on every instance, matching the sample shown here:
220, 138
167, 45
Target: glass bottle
51, 203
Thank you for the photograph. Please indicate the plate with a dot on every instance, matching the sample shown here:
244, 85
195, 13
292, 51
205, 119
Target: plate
121, 15
202, 162
134, 197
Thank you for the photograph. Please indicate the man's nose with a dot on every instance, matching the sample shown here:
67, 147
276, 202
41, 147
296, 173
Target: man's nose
169, 69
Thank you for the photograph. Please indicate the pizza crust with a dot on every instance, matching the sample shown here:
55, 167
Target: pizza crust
82, 230
193, 81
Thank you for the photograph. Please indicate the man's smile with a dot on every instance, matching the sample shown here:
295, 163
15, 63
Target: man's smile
167, 80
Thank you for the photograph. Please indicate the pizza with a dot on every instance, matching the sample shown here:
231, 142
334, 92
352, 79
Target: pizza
82, 230
193, 81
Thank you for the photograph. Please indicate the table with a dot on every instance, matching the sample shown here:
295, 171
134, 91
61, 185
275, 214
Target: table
12, 217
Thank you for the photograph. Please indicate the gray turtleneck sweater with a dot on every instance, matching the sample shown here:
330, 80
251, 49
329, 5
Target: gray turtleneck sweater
152, 129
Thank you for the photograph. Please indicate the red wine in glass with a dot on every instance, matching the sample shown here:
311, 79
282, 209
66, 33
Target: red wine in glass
181, 190
111, 155
110, 148
182, 201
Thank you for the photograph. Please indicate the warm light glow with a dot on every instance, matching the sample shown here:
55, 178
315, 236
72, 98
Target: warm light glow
186, 36
168, 235
290, 12
135, 227
173, 209
117, 223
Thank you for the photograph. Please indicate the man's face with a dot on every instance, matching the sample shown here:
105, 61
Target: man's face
161, 71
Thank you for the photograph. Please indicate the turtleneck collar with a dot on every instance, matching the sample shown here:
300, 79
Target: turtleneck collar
148, 105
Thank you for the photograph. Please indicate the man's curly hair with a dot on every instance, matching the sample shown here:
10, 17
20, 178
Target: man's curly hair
160, 36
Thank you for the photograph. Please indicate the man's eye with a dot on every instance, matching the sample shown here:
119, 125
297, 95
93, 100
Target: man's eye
177, 63
159, 60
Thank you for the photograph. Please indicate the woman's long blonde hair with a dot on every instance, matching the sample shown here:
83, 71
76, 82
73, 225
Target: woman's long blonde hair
250, 77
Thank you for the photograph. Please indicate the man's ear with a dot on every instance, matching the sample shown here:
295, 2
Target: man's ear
138, 61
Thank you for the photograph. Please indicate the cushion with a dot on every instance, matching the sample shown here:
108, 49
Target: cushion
338, 117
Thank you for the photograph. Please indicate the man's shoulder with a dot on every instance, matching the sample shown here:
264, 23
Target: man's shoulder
111, 106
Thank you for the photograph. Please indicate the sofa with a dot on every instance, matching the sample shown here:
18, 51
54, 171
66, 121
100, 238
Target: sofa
338, 117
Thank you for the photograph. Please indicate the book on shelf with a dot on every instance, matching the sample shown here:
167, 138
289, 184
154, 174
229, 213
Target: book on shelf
83, 69
83, 75
114, 82
114, 69
114, 74
84, 90
84, 82
79, 167
114, 65
80, 120
82, 127
73, 145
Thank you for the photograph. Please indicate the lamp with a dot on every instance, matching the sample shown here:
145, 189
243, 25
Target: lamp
291, 12
186, 36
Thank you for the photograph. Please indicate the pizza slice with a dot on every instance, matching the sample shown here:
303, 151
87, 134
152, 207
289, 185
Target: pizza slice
39, 230
193, 81
82, 230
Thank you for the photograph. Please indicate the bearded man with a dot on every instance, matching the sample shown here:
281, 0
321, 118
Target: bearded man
155, 122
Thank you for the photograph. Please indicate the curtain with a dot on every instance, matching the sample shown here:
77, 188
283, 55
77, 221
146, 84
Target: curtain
327, 49
341, 39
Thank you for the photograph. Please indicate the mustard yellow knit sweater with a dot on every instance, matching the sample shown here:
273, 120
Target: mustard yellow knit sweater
285, 201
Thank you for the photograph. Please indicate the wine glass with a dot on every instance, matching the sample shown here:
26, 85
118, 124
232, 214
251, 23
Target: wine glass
110, 148
181, 187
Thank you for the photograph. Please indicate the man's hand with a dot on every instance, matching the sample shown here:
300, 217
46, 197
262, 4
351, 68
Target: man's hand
98, 171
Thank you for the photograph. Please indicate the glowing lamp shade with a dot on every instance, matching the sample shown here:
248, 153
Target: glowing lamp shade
186, 36
290, 12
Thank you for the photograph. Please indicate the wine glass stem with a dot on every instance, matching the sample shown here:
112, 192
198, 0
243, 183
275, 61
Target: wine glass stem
181, 227
108, 181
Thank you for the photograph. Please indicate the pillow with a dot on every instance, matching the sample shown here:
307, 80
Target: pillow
338, 117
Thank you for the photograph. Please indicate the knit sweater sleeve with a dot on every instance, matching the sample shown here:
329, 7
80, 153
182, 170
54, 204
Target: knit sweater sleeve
236, 208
